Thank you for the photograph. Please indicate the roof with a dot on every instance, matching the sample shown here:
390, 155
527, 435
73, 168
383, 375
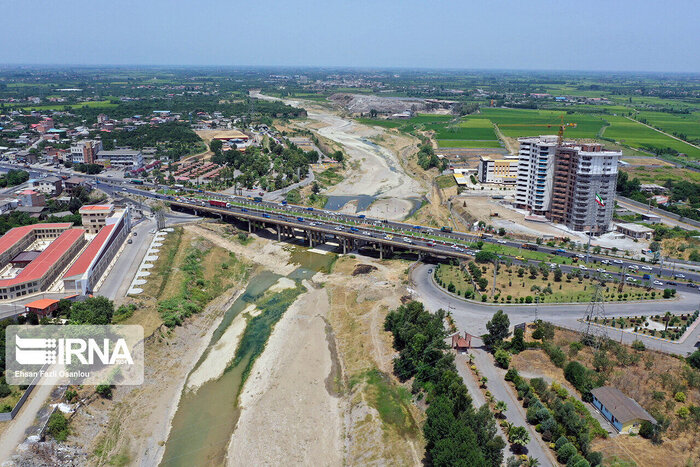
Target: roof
37, 268
41, 304
622, 407
118, 152
96, 207
75, 180
28, 192
49, 179
13, 236
635, 227
31, 209
26, 256
61, 214
83, 262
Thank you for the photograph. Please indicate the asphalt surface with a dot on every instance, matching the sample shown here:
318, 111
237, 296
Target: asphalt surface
472, 317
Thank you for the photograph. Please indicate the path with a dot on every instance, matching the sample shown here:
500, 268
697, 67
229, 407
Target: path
665, 219
515, 413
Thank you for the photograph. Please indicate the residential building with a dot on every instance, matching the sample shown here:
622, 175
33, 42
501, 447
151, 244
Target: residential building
94, 216
572, 184
128, 158
535, 170
625, 414
42, 307
48, 185
85, 152
31, 198
72, 184
498, 170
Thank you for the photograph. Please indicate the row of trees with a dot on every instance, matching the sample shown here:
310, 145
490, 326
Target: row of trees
456, 434
13, 177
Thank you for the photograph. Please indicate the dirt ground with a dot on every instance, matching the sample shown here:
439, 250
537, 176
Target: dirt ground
646, 161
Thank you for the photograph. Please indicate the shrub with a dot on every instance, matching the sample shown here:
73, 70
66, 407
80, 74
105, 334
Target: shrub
538, 384
57, 426
5, 390
683, 412
104, 390
502, 358
595, 458
512, 375
638, 345
679, 396
560, 442
647, 430
694, 360
566, 452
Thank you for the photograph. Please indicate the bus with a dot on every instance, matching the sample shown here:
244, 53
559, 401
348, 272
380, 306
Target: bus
137, 182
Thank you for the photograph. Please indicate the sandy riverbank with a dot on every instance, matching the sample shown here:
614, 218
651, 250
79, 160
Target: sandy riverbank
286, 400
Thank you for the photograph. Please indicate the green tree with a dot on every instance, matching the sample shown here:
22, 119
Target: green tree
57, 426
519, 436
502, 358
94, 310
497, 328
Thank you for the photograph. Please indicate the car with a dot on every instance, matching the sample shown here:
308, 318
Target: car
600, 270
679, 276
580, 256
658, 283
633, 267
672, 283
617, 261
339, 228
552, 266
632, 279
502, 242
388, 237
583, 268
407, 240
520, 258
647, 268
560, 250
605, 261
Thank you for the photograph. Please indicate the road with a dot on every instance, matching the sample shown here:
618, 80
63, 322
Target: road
515, 413
472, 317
663, 132
665, 219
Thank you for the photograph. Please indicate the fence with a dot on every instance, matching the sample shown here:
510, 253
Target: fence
7, 416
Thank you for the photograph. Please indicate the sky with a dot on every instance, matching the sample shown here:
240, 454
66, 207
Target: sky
617, 35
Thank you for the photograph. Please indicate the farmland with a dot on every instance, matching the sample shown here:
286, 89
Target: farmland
687, 124
632, 133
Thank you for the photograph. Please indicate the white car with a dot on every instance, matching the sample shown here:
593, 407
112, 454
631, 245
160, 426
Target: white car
583, 268
605, 261
552, 266
633, 266
680, 276
600, 270
617, 261
503, 242
338, 228
658, 283
647, 268
407, 240
579, 256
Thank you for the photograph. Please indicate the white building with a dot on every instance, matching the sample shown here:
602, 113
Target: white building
535, 173
498, 170
128, 158
85, 152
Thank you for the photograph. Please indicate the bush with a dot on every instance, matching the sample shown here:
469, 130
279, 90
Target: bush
512, 375
555, 353
647, 430
679, 396
502, 358
560, 442
579, 376
638, 345
57, 426
566, 452
694, 360
683, 412
5, 390
104, 390
595, 458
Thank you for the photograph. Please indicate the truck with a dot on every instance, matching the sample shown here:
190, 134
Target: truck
136, 181
258, 199
530, 246
217, 203
444, 228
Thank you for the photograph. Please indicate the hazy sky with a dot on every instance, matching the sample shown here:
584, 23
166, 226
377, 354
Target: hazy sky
634, 35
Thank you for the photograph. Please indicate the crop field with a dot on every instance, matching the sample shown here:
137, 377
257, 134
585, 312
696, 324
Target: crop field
688, 124
635, 134
524, 122
473, 128
60, 106
468, 143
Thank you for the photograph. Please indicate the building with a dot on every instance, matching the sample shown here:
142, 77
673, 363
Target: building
127, 158
58, 245
625, 414
42, 307
35, 212
73, 184
31, 198
535, 174
48, 185
584, 183
85, 152
87, 270
94, 216
634, 230
460, 343
651, 218
572, 184
498, 170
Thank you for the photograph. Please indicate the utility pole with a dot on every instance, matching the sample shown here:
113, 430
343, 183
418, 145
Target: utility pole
495, 273
588, 248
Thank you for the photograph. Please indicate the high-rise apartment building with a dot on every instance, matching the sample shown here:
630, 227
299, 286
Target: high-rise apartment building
573, 184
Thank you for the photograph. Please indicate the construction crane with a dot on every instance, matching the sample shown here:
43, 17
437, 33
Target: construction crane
563, 126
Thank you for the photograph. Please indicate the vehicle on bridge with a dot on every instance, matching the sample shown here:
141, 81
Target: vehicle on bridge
530, 246
219, 204
444, 228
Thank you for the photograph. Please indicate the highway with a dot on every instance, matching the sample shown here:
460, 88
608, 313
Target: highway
421, 239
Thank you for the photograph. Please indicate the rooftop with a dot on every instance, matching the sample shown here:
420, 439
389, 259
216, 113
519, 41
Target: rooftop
37, 268
83, 262
622, 407
635, 227
13, 236
97, 207
41, 304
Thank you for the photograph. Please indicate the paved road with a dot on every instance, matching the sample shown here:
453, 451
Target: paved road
472, 317
665, 219
515, 413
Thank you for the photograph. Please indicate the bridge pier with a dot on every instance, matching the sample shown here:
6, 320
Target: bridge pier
279, 237
250, 226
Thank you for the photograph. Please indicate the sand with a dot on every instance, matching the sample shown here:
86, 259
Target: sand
219, 356
282, 284
288, 415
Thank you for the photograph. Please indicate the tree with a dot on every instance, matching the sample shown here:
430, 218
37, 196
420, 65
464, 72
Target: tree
483, 381
497, 327
482, 282
557, 274
519, 436
315, 188
654, 246
104, 390
566, 452
500, 407
544, 330
694, 360
578, 375
517, 344
94, 310
57, 426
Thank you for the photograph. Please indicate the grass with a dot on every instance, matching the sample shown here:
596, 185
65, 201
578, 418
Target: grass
380, 122
461, 143
524, 122
61, 106
659, 175
445, 181
390, 400
688, 124
635, 134
329, 177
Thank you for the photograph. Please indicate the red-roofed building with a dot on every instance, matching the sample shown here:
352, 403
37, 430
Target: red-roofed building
460, 343
43, 306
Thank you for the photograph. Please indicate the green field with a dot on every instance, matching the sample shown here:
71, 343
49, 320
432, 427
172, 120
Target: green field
635, 134
466, 143
688, 124
59, 106
380, 122
474, 128
524, 122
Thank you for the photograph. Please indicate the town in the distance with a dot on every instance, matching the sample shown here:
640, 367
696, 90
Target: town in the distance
348, 267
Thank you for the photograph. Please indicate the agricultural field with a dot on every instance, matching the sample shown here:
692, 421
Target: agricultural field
524, 122
687, 124
632, 133
660, 175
